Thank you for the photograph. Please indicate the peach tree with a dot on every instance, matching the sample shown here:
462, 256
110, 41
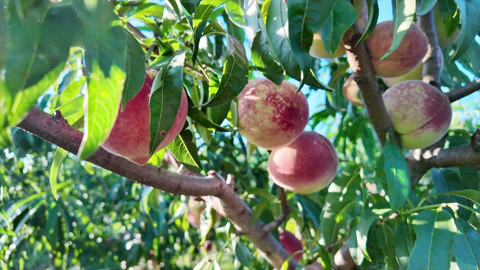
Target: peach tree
240, 134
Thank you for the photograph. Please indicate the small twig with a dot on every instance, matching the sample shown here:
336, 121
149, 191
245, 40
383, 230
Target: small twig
391, 217
331, 247
463, 91
286, 210
231, 182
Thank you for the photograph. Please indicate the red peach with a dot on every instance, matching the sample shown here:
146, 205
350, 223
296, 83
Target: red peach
131, 132
409, 53
306, 165
291, 244
420, 113
270, 115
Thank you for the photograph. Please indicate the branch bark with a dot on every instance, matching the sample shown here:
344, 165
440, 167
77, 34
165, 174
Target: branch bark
463, 91
431, 63
359, 60
56, 130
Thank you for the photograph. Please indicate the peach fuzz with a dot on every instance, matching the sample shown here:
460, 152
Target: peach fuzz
290, 243
420, 113
130, 135
270, 115
305, 166
409, 53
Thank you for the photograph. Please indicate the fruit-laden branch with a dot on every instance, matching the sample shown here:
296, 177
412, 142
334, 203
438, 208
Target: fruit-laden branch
431, 65
463, 91
359, 60
56, 130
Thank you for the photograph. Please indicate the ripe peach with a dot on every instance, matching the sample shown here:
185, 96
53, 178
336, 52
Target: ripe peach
420, 113
317, 49
306, 165
270, 115
351, 92
131, 132
409, 53
291, 244
414, 74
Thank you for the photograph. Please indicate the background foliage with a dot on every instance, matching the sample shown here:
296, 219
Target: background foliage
83, 54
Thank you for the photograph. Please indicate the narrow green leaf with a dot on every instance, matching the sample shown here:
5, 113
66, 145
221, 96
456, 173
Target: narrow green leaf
469, 194
372, 19
60, 155
386, 241
185, 150
148, 9
398, 175
135, 69
199, 117
218, 114
264, 58
341, 193
469, 10
235, 12
204, 10
165, 99
234, 76
435, 233
306, 17
466, 246
402, 20
258, 210
276, 22
341, 18
243, 254
424, 6
404, 244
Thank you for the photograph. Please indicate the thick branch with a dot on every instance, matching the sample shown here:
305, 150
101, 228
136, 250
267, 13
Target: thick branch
431, 63
57, 131
359, 60
463, 91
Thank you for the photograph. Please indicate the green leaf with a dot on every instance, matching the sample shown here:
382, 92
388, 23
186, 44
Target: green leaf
341, 18
372, 19
424, 6
469, 194
185, 150
265, 59
199, 117
147, 9
385, 239
404, 244
135, 69
105, 59
306, 17
258, 210
60, 155
469, 10
466, 246
218, 114
276, 22
402, 20
204, 10
398, 175
435, 231
341, 193
235, 74
235, 12
243, 254
165, 99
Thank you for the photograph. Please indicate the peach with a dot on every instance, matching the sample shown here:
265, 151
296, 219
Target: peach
414, 74
130, 135
306, 165
317, 49
343, 259
291, 244
270, 115
420, 113
351, 92
409, 53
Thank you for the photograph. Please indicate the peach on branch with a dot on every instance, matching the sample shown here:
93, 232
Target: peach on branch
306, 165
270, 115
414, 74
420, 113
351, 92
291, 244
130, 135
409, 53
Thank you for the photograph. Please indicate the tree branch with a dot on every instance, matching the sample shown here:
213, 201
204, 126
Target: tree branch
359, 60
431, 63
56, 130
463, 91
286, 210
